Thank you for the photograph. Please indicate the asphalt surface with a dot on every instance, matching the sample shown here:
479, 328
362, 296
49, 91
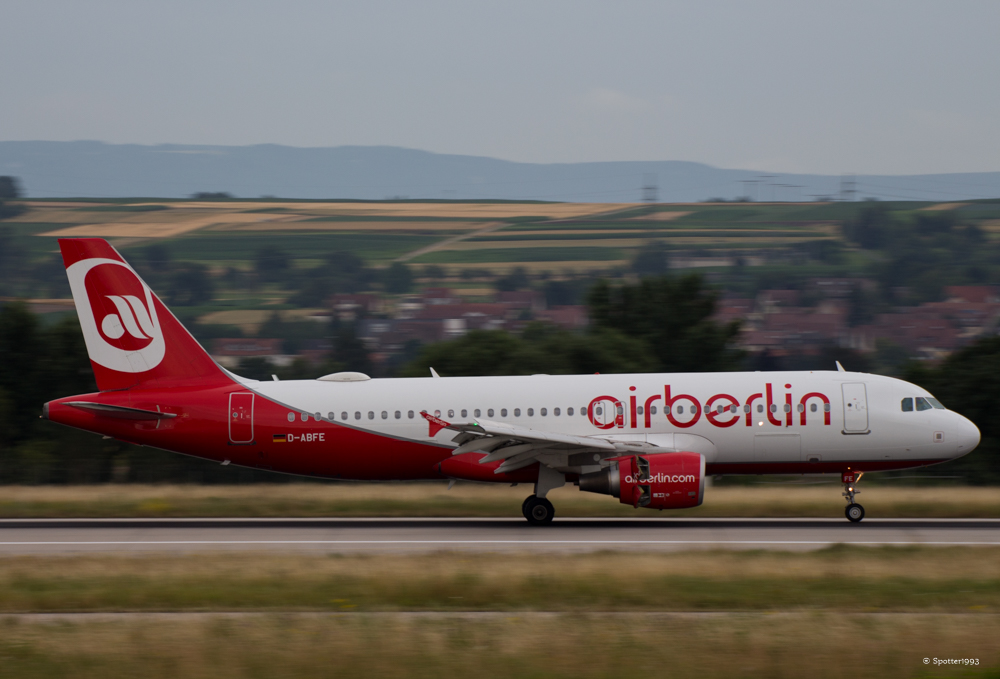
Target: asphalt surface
54, 536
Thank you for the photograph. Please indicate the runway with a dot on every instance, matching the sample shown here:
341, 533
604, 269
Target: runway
60, 536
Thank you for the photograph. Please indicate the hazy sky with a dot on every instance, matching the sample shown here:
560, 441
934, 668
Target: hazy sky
830, 87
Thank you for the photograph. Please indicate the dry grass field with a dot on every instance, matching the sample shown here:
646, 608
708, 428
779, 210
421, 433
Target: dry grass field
856, 611
577, 646
470, 499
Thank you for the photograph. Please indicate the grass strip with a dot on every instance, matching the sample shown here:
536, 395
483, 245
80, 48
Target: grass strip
432, 499
577, 646
838, 578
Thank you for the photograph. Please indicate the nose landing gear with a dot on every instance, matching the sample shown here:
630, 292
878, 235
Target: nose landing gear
854, 512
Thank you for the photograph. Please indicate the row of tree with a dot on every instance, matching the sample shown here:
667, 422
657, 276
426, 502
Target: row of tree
655, 325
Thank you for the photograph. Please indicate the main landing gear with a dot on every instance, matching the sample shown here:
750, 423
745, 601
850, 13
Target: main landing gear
537, 510
854, 512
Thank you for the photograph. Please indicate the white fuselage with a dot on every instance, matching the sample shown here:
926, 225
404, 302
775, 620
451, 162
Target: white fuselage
743, 422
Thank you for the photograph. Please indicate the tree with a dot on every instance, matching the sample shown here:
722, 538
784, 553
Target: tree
651, 260
968, 382
541, 349
514, 280
349, 351
271, 264
398, 279
190, 285
10, 188
673, 316
212, 195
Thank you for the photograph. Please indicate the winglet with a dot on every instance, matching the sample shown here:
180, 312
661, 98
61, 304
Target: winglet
434, 373
435, 424
840, 368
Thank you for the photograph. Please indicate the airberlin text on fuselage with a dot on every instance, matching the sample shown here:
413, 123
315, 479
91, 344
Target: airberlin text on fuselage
720, 410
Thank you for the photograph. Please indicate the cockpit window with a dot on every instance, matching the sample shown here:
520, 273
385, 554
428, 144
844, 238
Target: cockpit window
923, 403
907, 405
936, 403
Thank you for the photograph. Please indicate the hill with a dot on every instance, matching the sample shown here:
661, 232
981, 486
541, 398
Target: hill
99, 170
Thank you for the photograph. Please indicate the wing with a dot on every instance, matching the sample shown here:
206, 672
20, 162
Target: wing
519, 447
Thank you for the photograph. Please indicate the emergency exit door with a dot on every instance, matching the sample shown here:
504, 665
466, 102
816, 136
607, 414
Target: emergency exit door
855, 408
241, 418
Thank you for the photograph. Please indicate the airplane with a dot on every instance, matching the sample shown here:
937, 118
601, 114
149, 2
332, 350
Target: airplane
649, 440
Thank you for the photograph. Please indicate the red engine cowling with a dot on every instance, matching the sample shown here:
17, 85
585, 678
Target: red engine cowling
658, 481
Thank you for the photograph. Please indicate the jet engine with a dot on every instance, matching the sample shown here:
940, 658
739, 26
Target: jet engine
657, 481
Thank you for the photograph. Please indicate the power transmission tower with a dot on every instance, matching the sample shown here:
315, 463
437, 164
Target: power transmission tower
650, 190
848, 187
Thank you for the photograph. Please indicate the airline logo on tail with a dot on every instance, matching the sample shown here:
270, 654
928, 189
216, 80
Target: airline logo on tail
117, 315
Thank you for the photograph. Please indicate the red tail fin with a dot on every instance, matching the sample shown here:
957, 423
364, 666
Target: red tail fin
131, 336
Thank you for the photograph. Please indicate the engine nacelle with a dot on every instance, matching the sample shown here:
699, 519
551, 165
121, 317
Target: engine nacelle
658, 481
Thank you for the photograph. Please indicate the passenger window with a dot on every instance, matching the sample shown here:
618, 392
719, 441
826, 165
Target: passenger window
503, 412
451, 413
583, 411
907, 405
465, 413
732, 409
936, 403
489, 413
409, 414
813, 408
398, 414
330, 416
555, 411
787, 408
639, 410
318, 416
569, 411
357, 414
304, 417
517, 412
343, 415
531, 412
385, 415
543, 412
746, 408
371, 415
291, 417
774, 408
680, 410
760, 408
477, 412
652, 409
718, 410
826, 407
923, 403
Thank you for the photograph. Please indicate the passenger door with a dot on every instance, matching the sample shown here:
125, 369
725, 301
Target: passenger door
855, 408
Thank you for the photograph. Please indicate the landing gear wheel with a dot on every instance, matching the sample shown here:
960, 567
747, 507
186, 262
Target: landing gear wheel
538, 511
854, 512
524, 506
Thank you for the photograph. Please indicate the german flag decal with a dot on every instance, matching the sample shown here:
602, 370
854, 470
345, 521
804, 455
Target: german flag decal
279, 438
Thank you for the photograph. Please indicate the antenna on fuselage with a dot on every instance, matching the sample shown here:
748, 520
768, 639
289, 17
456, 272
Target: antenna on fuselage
434, 373
840, 368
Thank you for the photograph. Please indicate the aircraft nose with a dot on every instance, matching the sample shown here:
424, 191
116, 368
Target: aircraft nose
968, 436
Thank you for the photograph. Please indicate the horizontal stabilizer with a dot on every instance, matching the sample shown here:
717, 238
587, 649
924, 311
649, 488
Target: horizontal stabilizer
121, 412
